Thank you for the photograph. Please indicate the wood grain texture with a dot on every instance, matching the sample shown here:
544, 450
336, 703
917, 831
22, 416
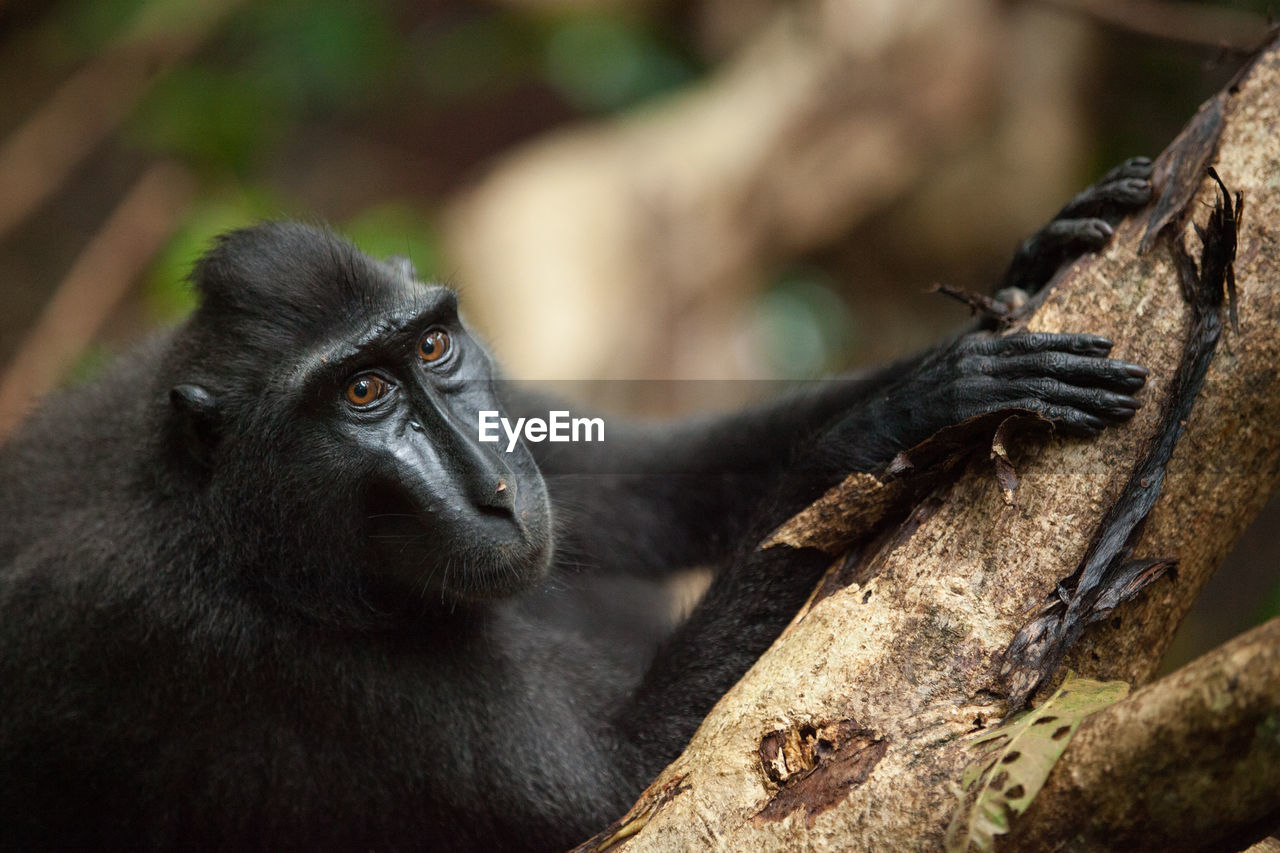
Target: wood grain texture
908, 655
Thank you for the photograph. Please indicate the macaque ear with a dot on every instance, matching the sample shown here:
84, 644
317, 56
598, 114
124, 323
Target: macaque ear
198, 421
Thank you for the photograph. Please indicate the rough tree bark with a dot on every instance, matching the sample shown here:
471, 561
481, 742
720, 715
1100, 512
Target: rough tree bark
890, 671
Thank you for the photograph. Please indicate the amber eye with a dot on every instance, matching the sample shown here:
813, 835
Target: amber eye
366, 389
434, 345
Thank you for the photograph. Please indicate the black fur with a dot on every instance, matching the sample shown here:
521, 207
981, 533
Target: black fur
237, 613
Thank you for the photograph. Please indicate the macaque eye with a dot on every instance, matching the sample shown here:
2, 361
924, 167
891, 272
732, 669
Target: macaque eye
366, 389
434, 345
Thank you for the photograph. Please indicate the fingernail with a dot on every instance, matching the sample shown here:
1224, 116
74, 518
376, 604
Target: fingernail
1137, 371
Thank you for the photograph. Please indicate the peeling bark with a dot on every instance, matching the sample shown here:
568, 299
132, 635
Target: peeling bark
852, 509
835, 757
1106, 577
906, 636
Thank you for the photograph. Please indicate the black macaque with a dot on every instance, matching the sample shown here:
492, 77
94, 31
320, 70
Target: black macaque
262, 588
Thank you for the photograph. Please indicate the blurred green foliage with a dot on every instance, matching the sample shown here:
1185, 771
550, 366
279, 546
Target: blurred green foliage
803, 328
397, 228
89, 365
315, 56
210, 120
272, 66
167, 291
603, 62
278, 62
474, 56
86, 27
597, 60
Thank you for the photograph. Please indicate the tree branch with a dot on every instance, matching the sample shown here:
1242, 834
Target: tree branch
1207, 736
1229, 29
900, 661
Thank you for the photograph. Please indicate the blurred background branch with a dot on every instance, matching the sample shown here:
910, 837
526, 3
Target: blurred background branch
39, 156
668, 189
98, 280
1229, 29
